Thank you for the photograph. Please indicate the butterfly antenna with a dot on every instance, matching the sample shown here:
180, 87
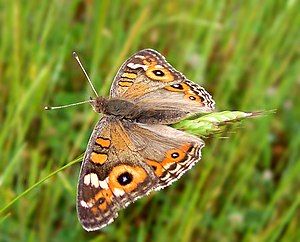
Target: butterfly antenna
85, 73
78, 103
66, 106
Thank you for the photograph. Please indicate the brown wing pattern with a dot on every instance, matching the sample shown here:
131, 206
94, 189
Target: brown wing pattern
112, 176
169, 152
136, 76
149, 80
127, 160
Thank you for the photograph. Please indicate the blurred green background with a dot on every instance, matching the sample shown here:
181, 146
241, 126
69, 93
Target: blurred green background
246, 53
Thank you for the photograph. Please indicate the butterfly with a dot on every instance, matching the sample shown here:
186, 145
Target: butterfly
132, 150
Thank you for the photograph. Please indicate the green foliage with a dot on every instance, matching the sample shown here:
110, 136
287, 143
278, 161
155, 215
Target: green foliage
212, 123
246, 187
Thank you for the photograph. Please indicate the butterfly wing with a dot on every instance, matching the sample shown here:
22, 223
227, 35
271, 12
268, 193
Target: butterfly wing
169, 152
125, 161
112, 175
149, 80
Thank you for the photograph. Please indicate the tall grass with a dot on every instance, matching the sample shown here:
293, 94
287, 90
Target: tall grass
245, 53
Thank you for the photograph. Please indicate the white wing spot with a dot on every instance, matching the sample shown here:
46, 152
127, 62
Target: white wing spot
85, 205
87, 179
135, 66
118, 192
94, 180
139, 57
103, 184
91, 179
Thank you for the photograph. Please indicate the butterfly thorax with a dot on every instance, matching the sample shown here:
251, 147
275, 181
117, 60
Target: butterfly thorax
114, 106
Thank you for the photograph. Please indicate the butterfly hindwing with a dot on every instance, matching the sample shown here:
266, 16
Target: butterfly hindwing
169, 152
90, 191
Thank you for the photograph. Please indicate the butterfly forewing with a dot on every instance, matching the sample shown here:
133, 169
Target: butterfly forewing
112, 175
149, 80
90, 191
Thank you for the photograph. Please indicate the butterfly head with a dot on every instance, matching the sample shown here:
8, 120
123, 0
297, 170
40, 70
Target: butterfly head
99, 104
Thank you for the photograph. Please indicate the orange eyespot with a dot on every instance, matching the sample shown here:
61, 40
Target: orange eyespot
107, 194
192, 97
179, 87
176, 155
159, 74
102, 204
101, 200
126, 177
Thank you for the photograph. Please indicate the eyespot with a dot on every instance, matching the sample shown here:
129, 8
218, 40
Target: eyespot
192, 97
158, 72
125, 178
175, 155
177, 86
101, 200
